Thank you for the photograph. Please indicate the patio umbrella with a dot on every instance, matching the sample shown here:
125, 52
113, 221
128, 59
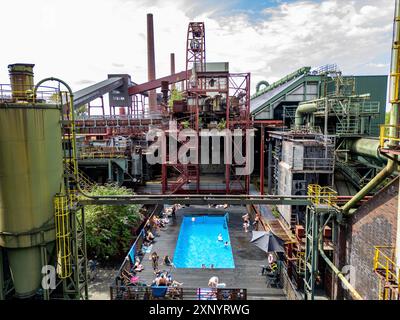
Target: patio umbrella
267, 241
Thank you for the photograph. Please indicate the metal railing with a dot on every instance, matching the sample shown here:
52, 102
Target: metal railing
319, 164
101, 152
350, 127
85, 182
384, 264
134, 292
322, 195
370, 107
44, 94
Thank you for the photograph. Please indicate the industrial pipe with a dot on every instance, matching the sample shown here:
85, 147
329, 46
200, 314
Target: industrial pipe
347, 284
394, 121
261, 83
302, 109
367, 147
395, 83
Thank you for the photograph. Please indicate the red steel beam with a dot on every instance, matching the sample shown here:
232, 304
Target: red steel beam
260, 122
154, 84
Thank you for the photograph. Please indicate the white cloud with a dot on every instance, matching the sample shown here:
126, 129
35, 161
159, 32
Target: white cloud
377, 65
77, 40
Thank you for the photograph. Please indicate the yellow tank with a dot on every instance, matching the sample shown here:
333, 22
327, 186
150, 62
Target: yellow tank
31, 171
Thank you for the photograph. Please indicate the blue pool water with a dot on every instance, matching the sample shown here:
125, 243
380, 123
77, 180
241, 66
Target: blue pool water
198, 243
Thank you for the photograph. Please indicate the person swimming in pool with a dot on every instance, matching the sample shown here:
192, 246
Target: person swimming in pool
226, 244
220, 237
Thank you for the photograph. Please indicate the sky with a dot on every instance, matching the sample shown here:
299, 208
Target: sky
81, 41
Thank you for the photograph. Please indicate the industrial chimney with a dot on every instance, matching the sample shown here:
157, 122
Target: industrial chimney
172, 68
151, 64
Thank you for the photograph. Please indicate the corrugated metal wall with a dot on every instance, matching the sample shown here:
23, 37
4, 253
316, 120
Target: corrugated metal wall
377, 87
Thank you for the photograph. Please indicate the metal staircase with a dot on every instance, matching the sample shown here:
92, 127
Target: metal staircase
84, 180
356, 179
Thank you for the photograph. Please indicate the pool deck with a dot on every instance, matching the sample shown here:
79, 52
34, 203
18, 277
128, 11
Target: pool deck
247, 257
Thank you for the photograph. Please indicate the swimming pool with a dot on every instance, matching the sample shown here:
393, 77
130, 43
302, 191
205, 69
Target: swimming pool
198, 243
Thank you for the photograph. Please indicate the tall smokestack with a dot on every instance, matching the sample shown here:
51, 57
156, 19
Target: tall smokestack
172, 68
151, 64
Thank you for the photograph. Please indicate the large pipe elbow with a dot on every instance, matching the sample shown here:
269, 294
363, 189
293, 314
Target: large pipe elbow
261, 83
303, 109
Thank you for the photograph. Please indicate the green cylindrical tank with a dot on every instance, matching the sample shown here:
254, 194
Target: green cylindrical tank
31, 169
21, 79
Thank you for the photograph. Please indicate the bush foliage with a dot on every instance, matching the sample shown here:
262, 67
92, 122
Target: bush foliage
109, 228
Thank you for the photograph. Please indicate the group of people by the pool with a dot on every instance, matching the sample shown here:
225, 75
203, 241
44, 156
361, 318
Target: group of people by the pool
163, 277
153, 226
246, 222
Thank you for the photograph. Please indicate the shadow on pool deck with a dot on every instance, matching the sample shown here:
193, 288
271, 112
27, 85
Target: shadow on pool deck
247, 257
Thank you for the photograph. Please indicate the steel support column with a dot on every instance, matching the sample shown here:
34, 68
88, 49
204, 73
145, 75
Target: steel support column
262, 160
269, 191
311, 253
2, 294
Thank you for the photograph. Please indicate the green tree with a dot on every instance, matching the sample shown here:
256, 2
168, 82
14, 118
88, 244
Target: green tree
175, 95
221, 125
109, 228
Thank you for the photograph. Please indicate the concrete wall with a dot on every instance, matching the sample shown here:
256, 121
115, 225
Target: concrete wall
374, 224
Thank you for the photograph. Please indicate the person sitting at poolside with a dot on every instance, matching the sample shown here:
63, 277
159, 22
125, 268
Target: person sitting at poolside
220, 237
165, 220
203, 266
213, 282
159, 222
162, 281
149, 236
167, 261
137, 266
212, 266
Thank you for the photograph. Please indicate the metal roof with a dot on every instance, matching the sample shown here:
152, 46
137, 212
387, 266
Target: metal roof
259, 101
90, 93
